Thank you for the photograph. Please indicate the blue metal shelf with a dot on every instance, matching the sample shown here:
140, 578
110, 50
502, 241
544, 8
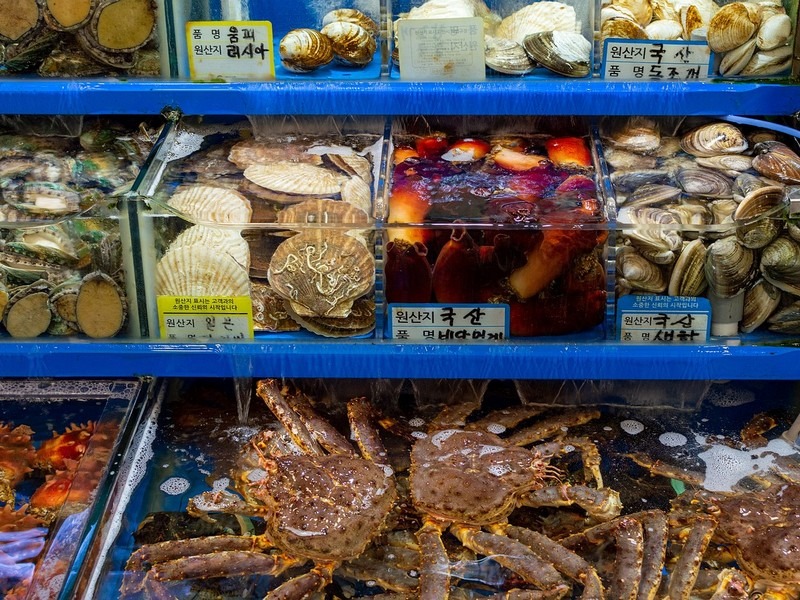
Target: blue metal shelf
384, 359
389, 97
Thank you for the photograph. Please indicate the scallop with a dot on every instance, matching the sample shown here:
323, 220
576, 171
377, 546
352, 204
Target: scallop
537, 17
507, 56
732, 26
300, 179
777, 161
714, 138
353, 45
320, 273
303, 50
322, 211
199, 270
222, 240
211, 204
352, 164
563, 52
356, 192
351, 15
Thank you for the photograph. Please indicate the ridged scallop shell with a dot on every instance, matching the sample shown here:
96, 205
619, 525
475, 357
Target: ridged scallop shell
729, 267
708, 183
352, 45
732, 26
225, 241
777, 161
296, 178
200, 271
360, 321
356, 192
538, 16
664, 29
688, 274
303, 50
321, 273
737, 59
638, 273
766, 202
507, 56
211, 204
352, 164
323, 211
760, 301
563, 52
352, 15
714, 138
769, 62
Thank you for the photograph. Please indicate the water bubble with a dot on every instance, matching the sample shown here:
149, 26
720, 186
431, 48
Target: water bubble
495, 428
672, 439
175, 486
631, 427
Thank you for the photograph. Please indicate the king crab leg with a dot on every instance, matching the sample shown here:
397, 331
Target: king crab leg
304, 585
269, 391
551, 426
603, 504
434, 572
684, 573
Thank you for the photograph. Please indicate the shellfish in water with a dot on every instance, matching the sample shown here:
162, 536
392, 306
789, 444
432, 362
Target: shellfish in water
200, 271
777, 161
714, 138
224, 241
321, 274
303, 50
637, 134
729, 267
300, 179
563, 52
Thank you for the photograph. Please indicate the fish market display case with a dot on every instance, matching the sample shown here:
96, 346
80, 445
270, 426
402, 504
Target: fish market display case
413, 492
497, 222
273, 216
59, 442
66, 259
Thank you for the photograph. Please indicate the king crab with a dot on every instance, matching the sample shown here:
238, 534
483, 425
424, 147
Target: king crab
320, 501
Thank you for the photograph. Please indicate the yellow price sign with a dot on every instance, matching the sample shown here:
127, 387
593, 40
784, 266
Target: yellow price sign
205, 317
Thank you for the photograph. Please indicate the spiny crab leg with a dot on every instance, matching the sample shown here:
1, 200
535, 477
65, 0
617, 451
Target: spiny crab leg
654, 528
304, 585
269, 391
603, 504
506, 418
551, 426
590, 456
566, 561
360, 414
434, 571
173, 549
657, 467
514, 556
321, 430
684, 573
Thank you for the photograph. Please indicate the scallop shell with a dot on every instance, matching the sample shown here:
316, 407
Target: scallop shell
760, 301
256, 152
356, 192
323, 211
537, 17
714, 138
507, 56
563, 52
303, 50
211, 204
688, 274
353, 45
224, 241
360, 321
352, 164
737, 59
321, 273
777, 161
729, 267
769, 62
664, 29
732, 26
199, 270
352, 15
295, 178
774, 31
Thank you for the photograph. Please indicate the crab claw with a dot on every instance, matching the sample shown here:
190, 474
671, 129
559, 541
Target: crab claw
568, 151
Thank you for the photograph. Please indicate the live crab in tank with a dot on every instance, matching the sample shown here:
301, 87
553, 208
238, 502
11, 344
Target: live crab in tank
507, 219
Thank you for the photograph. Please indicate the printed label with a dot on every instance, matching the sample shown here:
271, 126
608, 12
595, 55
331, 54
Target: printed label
205, 317
229, 50
663, 319
448, 322
651, 60
441, 49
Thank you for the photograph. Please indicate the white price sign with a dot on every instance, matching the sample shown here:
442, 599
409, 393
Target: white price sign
448, 322
646, 319
441, 49
656, 60
230, 50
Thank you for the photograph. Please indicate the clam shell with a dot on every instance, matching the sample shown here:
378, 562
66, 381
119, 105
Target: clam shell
638, 273
223, 241
729, 267
199, 270
664, 10
722, 210
449, 9
625, 159
352, 45
537, 17
688, 274
352, 164
769, 62
641, 10
760, 301
322, 211
714, 138
303, 50
729, 164
622, 28
777, 161
691, 19
295, 178
766, 202
563, 52
664, 29
732, 26
653, 194
737, 59
636, 134
691, 213
654, 232
780, 264
321, 273
211, 204
507, 56
705, 182
351, 15
786, 320
774, 31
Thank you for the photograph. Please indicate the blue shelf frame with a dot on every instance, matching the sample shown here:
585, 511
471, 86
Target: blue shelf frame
388, 97
392, 360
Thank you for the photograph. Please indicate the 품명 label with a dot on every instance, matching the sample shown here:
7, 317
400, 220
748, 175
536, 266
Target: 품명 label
656, 60
230, 50
205, 317
448, 322
644, 319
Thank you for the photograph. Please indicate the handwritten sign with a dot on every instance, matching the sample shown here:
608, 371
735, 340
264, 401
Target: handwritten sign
205, 317
448, 323
656, 60
229, 50
663, 319
441, 49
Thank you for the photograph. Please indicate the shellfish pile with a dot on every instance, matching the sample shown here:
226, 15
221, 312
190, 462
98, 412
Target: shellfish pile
285, 221
546, 33
704, 212
78, 38
751, 38
347, 37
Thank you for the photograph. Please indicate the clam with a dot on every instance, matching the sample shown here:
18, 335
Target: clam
760, 301
787, 319
507, 56
211, 204
352, 45
780, 264
625, 159
691, 213
638, 273
626, 181
691, 20
664, 29
637, 133
732, 26
722, 210
653, 194
563, 52
737, 59
729, 164
664, 10
654, 232
777, 161
537, 17
714, 138
351, 15
622, 28
296, 179
688, 274
774, 31
704, 182
303, 50
320, 273
759, 217
641, 10
199, 270
747, 182
769, 62
729, 267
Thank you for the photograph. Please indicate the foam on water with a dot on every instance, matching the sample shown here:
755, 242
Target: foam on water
632, 427
495, 428
175, 486
672, 439
725, 466
729, 397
